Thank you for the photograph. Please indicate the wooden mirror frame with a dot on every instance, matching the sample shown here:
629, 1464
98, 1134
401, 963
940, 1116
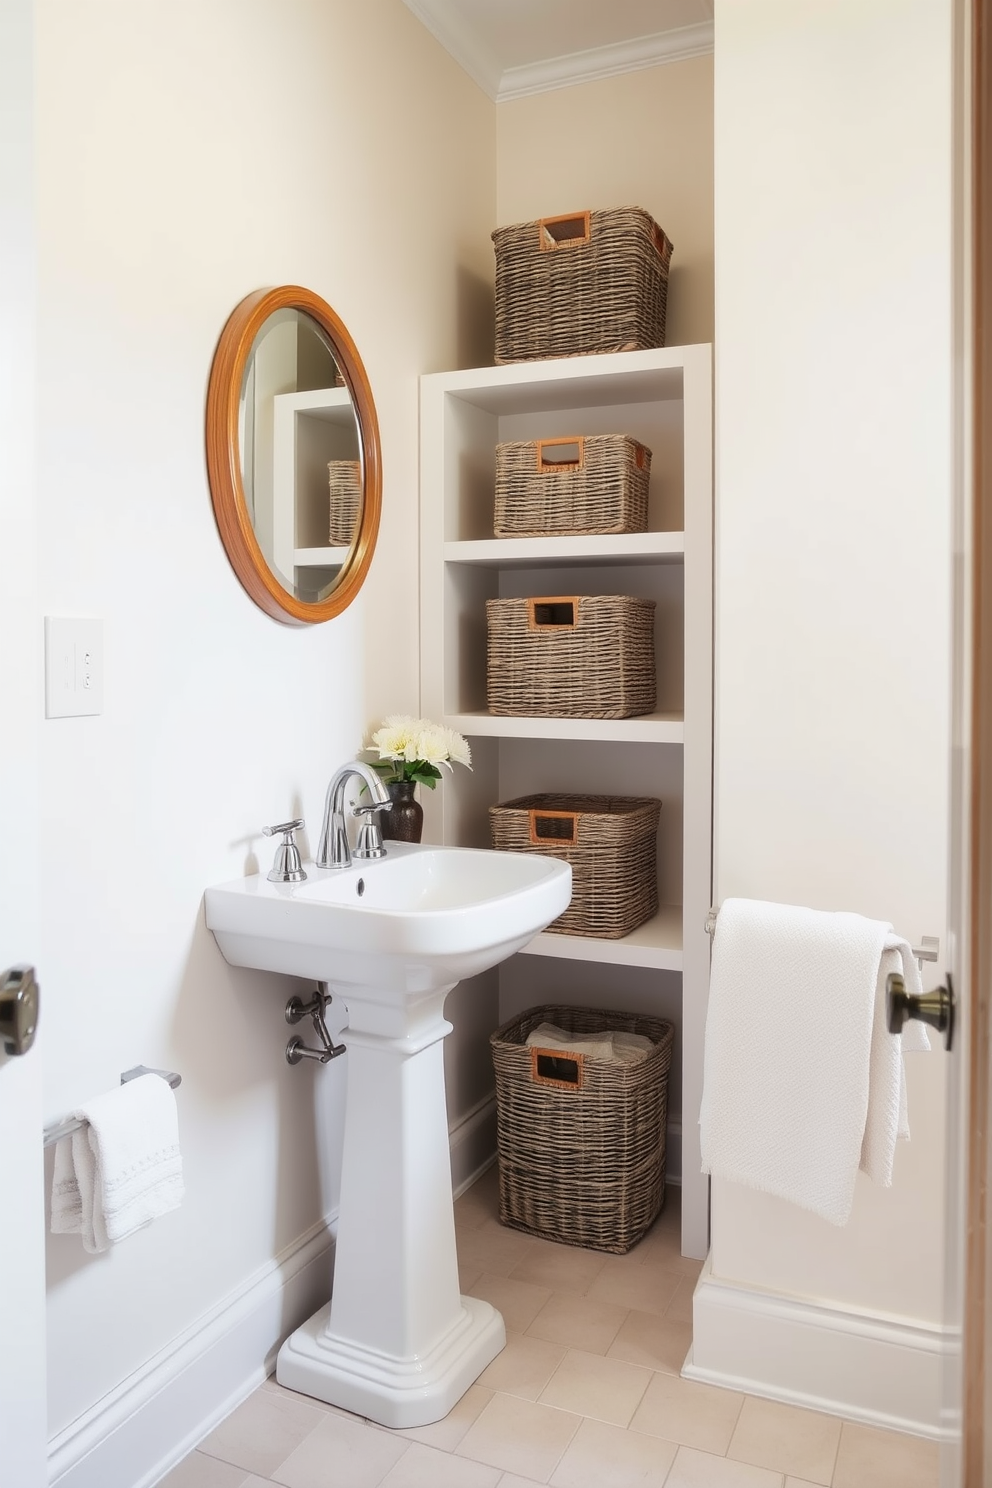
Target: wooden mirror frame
224, 455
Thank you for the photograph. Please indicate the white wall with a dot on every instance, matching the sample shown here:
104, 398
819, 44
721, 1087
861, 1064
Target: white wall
833, 316
188, 154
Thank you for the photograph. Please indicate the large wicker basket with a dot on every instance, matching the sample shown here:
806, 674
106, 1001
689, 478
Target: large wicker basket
581, 1141
611, 843
571, 656
592, 483
345, 488
586, 282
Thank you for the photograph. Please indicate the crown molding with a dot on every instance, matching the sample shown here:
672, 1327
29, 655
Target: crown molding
500, 85
607, 61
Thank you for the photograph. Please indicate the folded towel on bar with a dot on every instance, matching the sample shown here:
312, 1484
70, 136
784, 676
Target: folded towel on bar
123, 1168
802, 1082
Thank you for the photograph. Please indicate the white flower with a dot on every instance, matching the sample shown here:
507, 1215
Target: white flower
458, 749
417, 741
430, 743
395, 739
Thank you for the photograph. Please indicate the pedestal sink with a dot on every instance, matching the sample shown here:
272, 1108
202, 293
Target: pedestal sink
392, 937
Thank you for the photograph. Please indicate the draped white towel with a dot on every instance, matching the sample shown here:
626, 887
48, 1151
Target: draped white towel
802, 1081
123, 1168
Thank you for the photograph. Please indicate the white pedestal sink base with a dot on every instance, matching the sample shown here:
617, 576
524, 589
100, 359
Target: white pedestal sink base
394, 1392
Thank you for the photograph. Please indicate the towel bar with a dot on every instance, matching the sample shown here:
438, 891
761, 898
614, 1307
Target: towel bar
927, 950
59, 1129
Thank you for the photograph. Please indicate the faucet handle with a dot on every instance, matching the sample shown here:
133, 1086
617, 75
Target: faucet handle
369, 844
287, 867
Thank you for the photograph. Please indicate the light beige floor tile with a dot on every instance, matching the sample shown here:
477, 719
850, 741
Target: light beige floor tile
703, 1470
273, 1386
655, 1342
448, 1432
648, 1288
467, 1278
798, 1483
687, 1413
524, 1367
480, 1202
510, 1480
679, 1309
426, 1467
578, 1322
341, 1454
518, 1301
492, 1247
198, 1471
520, 1437
884, 1459
602, 1389
561, 1268
787, 1439
602, 1456
263, 1431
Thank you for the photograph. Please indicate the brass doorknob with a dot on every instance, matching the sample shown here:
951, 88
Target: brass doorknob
935, 1008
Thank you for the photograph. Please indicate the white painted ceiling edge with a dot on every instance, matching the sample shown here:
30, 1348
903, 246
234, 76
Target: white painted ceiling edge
471, 48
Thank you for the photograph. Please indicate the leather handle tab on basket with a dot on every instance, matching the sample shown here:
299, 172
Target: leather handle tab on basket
552, 1067
567, 461
568, 231
560, 827
559, 612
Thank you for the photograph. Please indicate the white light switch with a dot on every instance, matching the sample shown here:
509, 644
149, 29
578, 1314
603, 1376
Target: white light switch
73, 667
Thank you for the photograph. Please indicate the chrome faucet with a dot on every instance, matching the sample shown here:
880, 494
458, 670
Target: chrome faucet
333, 850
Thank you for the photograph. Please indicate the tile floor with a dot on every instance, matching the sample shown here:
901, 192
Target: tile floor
586, 1394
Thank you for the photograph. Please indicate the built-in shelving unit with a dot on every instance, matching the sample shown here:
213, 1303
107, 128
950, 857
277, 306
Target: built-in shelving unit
309, 429
664, 399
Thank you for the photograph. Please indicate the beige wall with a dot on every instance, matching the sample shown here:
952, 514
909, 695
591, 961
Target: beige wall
161, 130
643, 139
834, 459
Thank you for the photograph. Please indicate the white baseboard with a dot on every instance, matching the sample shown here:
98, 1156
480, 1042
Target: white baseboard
880, 1370
142, 1429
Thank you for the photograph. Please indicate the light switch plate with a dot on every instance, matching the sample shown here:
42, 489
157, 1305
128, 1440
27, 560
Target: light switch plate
73, 667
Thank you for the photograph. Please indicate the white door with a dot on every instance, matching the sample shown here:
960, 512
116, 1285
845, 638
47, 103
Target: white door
22, 1254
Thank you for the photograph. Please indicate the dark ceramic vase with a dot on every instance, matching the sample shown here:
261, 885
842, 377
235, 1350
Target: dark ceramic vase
404, 820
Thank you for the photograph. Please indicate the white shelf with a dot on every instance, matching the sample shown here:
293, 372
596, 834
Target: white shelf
656, 944
612, 548
664, 399
319, 557
650, 728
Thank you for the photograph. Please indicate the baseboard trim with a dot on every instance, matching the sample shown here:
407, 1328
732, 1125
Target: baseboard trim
139, 1431
472, 1143
878, 1370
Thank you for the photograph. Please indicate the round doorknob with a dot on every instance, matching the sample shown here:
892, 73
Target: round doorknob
934, 1008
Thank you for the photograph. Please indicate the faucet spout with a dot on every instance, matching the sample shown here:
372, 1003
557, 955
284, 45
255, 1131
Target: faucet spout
333, 850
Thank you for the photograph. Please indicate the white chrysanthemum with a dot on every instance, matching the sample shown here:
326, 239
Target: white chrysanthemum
458, 749
396, 739
431, 743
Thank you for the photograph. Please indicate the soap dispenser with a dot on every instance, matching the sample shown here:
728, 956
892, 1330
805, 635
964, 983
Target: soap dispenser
287, 867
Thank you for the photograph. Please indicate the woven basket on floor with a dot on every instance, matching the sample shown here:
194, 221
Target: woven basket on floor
611, 843
551, 487
582, 283
345, 485
571, 656
581, 1142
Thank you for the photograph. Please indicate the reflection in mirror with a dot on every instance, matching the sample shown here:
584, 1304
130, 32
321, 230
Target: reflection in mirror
300, 455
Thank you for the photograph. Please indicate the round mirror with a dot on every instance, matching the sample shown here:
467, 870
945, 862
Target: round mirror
293, 455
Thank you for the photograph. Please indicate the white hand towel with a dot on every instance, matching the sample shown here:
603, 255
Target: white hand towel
888, 1116
787, 1060
123, 1168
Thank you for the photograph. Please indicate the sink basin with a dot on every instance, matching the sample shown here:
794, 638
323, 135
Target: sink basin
396, 1343
417, 920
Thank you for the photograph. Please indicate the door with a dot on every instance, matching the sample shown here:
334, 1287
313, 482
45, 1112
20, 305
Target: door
22, 1254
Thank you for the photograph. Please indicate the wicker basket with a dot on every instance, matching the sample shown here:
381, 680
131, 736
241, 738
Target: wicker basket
551, 487
587, 282
571, 656
581, 1141
345, 484
611, 843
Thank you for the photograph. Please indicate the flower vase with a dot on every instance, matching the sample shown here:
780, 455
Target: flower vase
403, 821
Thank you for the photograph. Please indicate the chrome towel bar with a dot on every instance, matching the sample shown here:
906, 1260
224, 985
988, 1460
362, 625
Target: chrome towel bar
59, 1129
927, 950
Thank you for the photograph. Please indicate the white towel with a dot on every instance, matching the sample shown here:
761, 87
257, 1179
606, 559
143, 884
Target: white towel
795, 1040
123, 1168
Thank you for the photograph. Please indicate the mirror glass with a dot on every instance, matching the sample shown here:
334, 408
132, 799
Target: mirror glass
301, 460
293, 455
